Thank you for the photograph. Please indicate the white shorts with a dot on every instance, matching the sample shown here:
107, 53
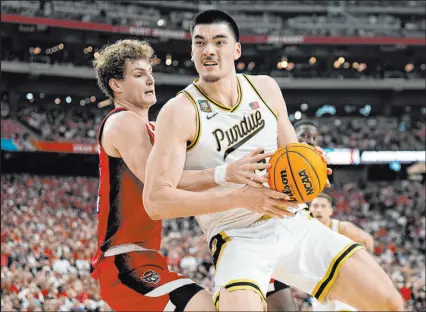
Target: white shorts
331, 305
298, 251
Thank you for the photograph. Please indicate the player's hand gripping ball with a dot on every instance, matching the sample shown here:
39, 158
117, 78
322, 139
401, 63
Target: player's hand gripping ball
299, 171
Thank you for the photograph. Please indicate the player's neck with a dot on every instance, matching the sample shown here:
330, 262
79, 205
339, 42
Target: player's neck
224, 91
142, 112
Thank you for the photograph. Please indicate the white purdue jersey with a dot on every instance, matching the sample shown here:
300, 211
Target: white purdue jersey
335, 225
225, 135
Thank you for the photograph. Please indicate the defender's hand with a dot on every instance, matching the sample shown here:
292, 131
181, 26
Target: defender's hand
324, 157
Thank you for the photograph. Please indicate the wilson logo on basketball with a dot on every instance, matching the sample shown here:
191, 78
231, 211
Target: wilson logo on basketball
306, 182
286, 187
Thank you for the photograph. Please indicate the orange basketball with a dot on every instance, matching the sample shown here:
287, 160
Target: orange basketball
299, 171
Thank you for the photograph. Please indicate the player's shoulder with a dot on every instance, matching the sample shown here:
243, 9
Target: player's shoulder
122, 120
180, 105
262, 80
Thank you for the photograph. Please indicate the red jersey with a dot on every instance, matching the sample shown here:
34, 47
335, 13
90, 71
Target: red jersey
122, 218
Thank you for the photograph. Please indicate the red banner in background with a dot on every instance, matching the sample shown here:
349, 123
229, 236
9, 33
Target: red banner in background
181, 34
65, 147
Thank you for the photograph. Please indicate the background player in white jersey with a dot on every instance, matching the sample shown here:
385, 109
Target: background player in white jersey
222, 117
322, 209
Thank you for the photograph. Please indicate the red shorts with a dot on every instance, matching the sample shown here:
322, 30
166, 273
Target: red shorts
141, 281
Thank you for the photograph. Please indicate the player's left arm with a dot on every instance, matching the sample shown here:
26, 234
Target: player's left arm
357, 234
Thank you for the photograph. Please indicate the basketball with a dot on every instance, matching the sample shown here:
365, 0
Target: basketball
299, 171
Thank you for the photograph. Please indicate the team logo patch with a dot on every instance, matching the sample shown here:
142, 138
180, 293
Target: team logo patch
205, 106
254, 105
150, 277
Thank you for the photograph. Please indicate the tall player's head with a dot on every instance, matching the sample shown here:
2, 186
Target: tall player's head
307, 132
215, 45
322, 208
124, 72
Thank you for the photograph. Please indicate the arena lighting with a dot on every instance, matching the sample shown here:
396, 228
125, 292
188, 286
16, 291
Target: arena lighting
29, 96
155, 61
241, 66
168, 59
297, 115
104, 103
409, 67
68, 99
312, 60
365, 110
371, 157
57, 101
362, 67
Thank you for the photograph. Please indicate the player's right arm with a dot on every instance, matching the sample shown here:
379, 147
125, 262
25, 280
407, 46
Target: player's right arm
176, 125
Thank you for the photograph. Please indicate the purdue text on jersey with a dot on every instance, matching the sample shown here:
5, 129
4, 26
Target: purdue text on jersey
240, 133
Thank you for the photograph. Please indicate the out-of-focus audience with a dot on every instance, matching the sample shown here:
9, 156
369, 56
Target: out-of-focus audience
345, 17
48, 235
79, 124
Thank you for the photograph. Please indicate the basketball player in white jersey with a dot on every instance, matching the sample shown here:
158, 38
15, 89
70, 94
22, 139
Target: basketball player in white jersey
221, 117
322, 209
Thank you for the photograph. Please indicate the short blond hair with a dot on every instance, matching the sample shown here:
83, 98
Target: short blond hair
110, 62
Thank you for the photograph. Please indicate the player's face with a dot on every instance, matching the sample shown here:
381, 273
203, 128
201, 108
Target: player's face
138, 85
214, 51
321, 209
308, 134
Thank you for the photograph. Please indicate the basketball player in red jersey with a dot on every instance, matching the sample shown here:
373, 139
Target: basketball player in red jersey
133, 275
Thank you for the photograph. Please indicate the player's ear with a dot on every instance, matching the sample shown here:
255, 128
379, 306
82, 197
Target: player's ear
237, 51
115, 85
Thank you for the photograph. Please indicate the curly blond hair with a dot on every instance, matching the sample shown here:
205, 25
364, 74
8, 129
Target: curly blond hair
110, 62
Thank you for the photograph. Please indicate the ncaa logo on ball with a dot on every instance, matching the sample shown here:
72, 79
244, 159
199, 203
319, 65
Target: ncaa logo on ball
305, 178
